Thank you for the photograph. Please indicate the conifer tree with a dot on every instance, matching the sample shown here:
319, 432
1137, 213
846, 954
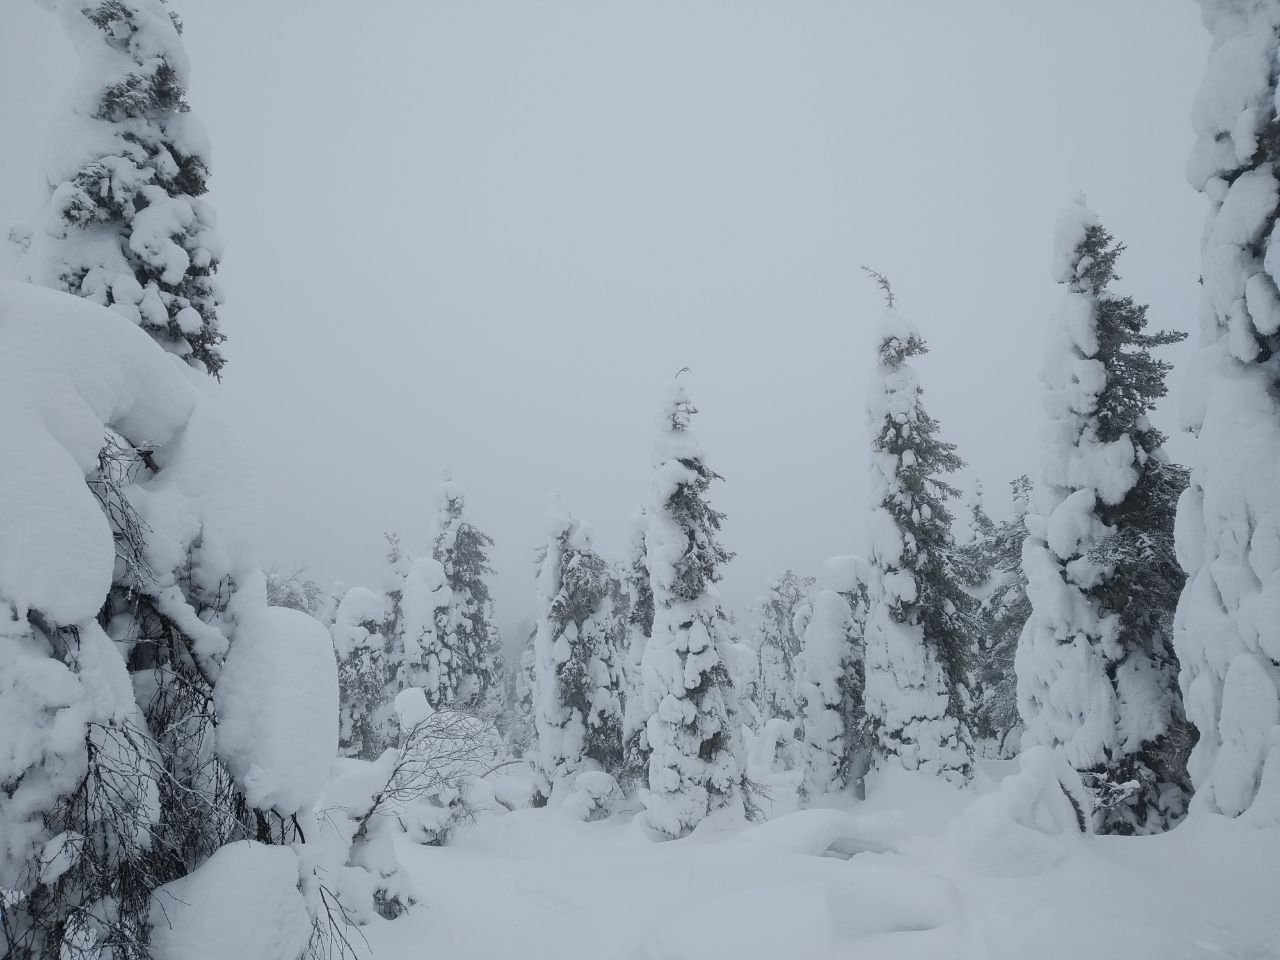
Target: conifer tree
419, 654
577, 658
469, 631
919, 622
127, 226
1227, 636
695, 763
994, 561
777, 643
136, 645
1097, 677
638, 626
366, 724
830, 688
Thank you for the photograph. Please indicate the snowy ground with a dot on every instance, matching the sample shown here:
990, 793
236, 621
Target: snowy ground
909, 873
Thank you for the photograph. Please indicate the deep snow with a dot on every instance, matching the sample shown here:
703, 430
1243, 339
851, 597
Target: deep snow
920, 869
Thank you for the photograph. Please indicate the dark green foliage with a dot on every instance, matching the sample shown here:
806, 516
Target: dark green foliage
1145, 579
700, 567
777, 644
919, 507
580, 615
994, 570
145, 167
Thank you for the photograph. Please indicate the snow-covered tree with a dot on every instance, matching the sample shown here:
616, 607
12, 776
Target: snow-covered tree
638, 624
153, 708
396, 568
419, 655
993, 566
298, 592
577, 658
919, 621
695, 764
1227, 631
366, 723
469, 631
830, 690
776, 642
1097, 677
127, 226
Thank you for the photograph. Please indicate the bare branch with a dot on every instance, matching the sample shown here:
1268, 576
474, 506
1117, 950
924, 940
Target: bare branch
882, 282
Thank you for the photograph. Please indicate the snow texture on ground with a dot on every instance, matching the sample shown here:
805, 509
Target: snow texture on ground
920, 869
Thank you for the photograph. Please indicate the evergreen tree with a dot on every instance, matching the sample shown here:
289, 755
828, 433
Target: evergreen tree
397, 563
777, 643
416, 617
831, 692
920, 619
1226, 635
127, 227
994, 560
1097, 676
419, 654
522, 736
638, 625
695, 760
366, 724
130, 630
469, 631
577, 658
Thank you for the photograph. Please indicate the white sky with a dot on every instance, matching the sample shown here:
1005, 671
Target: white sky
482, 234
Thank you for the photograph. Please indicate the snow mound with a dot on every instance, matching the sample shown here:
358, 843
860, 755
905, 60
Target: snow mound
69, 371
243, 902
1032, 823
278, 726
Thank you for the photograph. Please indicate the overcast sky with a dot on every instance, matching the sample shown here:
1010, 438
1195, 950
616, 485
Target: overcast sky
482, 234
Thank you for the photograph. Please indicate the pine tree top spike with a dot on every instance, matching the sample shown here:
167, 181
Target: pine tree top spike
882, 282
680, 371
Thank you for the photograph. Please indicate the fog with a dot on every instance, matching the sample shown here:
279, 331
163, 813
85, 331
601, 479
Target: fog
481, 235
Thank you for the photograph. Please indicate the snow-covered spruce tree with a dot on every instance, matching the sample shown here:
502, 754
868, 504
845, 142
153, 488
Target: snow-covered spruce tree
695, 764
522, 734
140, 698
397, 563
777, 644
469, 631
419, 655
830, 690
920, 619
638, 593
577, 658
366, 722
416, 614
1097, 677
994, 567
1227, 630
127, 227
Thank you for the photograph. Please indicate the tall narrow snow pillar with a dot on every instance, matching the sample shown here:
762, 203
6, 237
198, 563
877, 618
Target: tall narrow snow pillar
1227, 632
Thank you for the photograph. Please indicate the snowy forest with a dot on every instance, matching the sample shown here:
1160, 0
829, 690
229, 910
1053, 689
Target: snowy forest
1038, 717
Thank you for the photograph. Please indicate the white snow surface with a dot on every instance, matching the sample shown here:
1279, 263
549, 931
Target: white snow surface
918, 870
243, 902
277, 726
